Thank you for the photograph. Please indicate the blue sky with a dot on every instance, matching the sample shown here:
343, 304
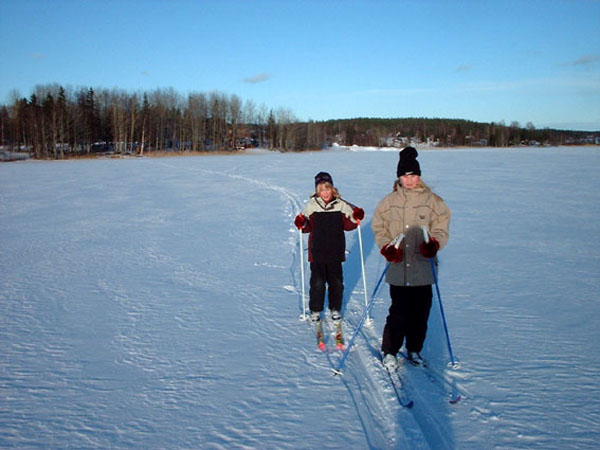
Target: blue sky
516, 60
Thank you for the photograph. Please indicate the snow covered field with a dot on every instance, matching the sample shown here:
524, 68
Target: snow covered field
154, 303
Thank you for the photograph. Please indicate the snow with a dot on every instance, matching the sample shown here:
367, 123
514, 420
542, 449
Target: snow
155, 303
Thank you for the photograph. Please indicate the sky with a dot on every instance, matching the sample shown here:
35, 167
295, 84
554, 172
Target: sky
532, 61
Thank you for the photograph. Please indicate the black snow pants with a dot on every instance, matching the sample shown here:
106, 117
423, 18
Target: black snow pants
407, 318
332, 275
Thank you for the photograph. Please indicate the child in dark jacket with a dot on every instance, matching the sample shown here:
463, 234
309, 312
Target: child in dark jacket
326, 217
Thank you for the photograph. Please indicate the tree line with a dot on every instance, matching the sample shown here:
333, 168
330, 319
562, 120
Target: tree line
55, 122
449, 133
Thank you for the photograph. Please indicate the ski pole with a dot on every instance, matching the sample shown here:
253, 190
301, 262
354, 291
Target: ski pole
365, 313
362, 265
437, 289
396, 242
304, 316
362, 256
442, 312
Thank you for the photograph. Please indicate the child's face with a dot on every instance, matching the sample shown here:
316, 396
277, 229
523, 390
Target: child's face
410, 181
325, 192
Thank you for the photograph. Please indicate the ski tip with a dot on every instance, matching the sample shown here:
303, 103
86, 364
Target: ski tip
455, 400
409, 405
322, 346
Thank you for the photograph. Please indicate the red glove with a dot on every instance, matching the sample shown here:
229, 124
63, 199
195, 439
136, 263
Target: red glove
429, 249
300, 221
358, 213
391, 253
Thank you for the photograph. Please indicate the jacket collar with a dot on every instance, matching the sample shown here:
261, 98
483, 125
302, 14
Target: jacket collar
324, 205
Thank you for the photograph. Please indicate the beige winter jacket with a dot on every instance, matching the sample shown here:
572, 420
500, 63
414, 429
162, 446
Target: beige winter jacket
405, 211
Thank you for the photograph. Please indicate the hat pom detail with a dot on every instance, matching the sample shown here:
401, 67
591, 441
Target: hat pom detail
408, 153
408, 164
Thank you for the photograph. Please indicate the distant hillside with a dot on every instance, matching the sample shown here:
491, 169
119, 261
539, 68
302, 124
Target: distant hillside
448, 132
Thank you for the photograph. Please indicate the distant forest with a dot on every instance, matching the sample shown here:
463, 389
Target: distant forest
58, 123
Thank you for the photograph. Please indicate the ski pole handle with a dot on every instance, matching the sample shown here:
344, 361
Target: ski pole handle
425, 234
397, 240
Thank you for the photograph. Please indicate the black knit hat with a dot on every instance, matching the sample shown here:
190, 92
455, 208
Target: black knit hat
408, 164
323, 177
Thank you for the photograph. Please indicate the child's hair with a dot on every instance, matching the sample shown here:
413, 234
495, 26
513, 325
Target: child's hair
334, 191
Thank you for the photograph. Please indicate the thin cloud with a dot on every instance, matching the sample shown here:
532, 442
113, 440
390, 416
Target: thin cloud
257, 78
488, 86
582, 61
536, 84
464, 68
38, 56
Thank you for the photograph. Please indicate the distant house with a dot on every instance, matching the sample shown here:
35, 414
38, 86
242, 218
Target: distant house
7, 156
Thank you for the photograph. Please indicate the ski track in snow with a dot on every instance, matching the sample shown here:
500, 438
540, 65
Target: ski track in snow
373, 415
367, 384
154, 303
